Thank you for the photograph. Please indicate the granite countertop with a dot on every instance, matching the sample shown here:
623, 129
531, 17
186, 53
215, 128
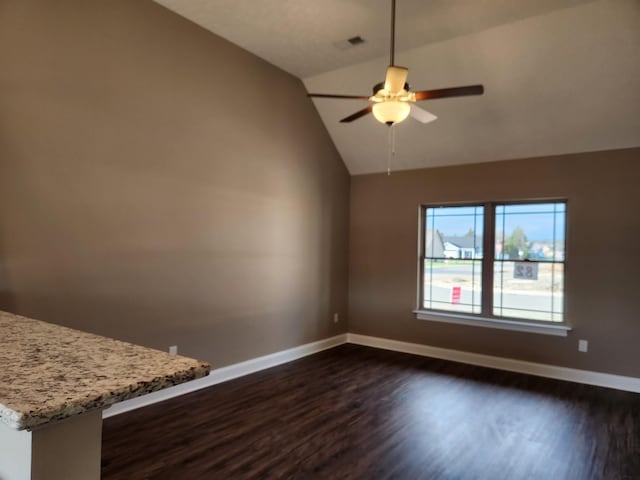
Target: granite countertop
49, 372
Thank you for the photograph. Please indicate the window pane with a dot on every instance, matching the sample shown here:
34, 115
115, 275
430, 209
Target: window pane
531, 207
529, 298
558, 253
453, 285
454, 232
530, 231
527, 260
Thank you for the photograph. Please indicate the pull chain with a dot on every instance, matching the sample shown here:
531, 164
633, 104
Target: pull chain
392, 147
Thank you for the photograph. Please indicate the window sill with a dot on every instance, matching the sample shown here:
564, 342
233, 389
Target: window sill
558, 329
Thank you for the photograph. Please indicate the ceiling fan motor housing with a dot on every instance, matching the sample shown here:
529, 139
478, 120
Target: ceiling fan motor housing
379, 86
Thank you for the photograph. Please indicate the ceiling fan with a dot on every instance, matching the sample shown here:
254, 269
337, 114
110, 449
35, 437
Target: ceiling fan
392, 100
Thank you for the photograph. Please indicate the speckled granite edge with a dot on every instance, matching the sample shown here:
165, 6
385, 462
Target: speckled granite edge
28, 421
50, 372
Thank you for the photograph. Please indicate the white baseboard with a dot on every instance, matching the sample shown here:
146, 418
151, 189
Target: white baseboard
223, 374
219, 375
619, 382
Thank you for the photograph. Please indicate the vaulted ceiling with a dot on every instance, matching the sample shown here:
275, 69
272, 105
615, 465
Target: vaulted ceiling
560, 76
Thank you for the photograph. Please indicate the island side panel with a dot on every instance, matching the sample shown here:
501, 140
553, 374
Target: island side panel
66, 450
15, 454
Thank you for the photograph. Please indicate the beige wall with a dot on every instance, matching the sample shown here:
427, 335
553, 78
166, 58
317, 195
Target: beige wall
603, 256
143, 198
160, 185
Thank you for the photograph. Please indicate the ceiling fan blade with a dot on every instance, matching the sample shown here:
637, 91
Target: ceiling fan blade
449, 92
327, 95
395, 79
421, 114
357, 115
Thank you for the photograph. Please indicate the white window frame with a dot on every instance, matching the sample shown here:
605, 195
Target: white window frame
486, 318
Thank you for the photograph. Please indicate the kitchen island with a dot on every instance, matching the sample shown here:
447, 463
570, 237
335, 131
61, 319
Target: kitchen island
55, 382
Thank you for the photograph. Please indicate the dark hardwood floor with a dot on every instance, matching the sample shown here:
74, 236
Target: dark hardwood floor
359, 413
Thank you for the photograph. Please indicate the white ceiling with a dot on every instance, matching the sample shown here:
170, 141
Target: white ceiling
560, 76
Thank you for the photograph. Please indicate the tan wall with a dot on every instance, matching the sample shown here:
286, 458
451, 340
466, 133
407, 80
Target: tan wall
603, 256
160, 185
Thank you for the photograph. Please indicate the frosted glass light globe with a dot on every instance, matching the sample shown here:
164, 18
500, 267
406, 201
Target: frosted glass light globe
391, 111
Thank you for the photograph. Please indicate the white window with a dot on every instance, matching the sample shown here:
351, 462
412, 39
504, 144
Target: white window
502, 261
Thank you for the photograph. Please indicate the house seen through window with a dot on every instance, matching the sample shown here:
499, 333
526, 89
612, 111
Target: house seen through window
495, 260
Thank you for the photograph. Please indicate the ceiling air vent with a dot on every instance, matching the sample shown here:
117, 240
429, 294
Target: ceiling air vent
349, 43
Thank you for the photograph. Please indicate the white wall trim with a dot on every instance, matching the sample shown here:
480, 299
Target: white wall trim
549, 328
230, 372
219, 375
619, 382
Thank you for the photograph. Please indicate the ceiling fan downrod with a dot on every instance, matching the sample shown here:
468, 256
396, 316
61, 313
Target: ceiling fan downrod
393, 33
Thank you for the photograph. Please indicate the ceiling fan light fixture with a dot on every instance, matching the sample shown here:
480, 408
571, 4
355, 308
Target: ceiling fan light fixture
392, 100
391, 112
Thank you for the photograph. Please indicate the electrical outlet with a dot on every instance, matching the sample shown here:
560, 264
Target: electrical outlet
583, 345
336, 318
173, 350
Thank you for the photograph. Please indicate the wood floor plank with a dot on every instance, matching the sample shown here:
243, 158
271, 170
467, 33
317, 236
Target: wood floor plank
354, 412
